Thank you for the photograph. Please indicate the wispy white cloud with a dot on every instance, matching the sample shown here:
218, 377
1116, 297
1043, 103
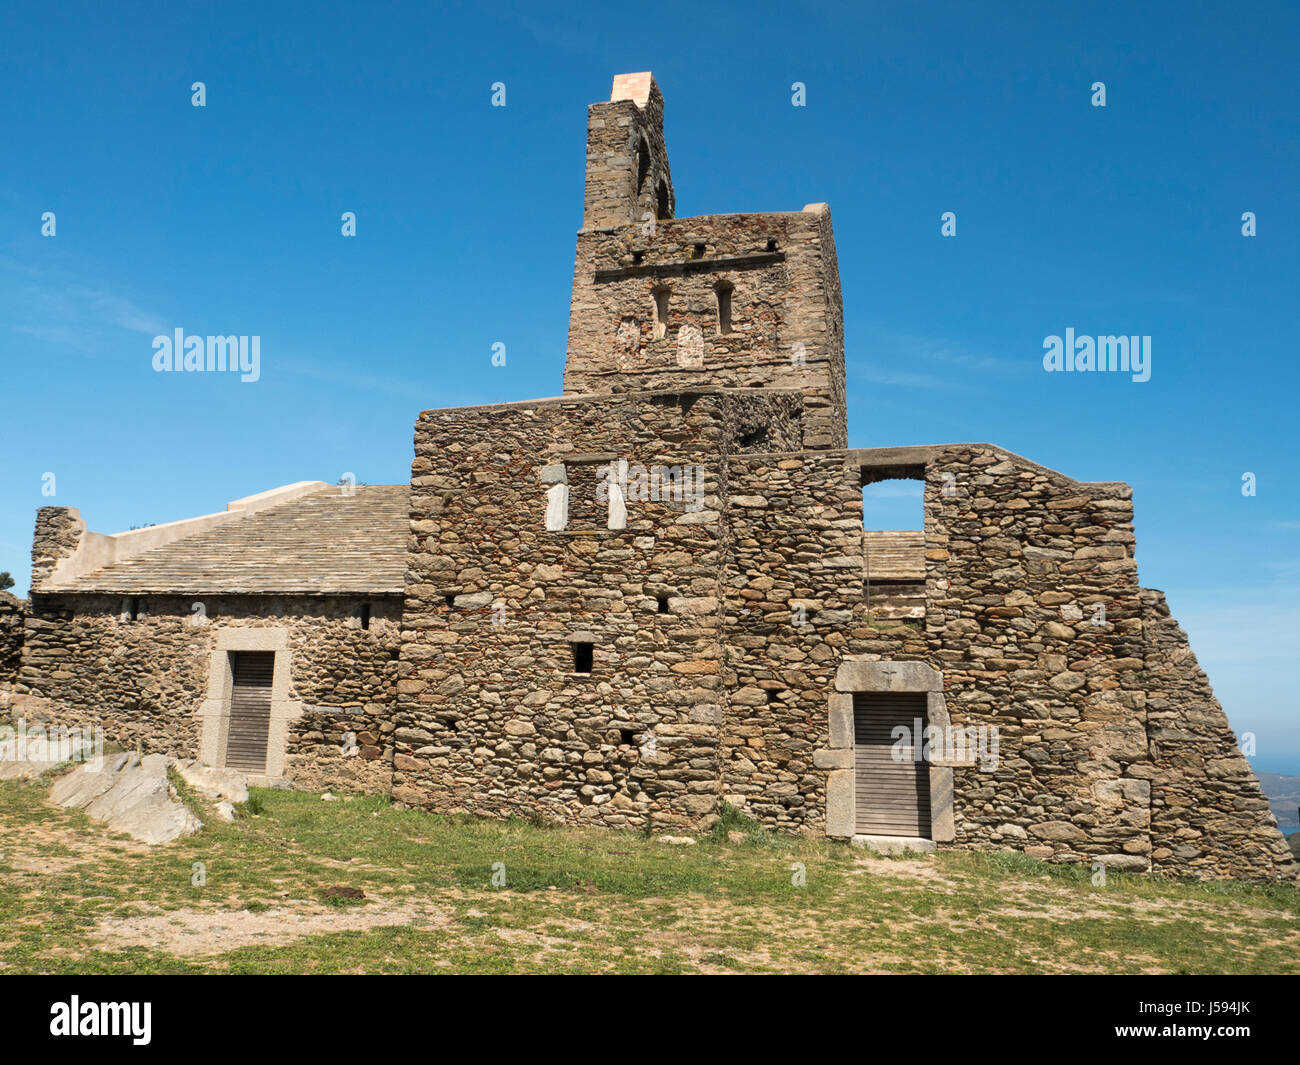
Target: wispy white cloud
61, 304
1245, 624
947, 352
349, 377
905, 360
906, 379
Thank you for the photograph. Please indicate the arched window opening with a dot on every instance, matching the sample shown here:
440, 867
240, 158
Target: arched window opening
661, 311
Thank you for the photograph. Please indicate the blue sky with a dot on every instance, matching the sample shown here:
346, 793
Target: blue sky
225, 219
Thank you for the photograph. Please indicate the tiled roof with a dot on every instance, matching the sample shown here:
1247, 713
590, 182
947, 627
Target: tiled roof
325, 542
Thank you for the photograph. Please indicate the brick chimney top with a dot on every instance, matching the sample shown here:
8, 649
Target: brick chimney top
634, 87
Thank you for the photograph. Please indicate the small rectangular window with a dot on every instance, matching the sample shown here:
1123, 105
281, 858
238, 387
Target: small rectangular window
131, 609
723, 292
582, 657
365, 615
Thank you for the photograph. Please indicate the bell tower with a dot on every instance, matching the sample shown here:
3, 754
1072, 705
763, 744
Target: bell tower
668, 304
627, 160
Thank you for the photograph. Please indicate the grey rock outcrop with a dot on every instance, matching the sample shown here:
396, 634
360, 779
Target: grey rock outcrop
129, 794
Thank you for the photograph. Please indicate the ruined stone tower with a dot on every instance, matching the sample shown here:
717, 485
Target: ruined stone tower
735, 301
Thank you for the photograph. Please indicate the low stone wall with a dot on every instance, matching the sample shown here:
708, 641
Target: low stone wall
13, 612
143, 681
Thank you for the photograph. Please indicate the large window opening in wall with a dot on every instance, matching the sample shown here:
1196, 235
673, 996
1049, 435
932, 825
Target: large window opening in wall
893, 503
893, 543
661, 293
249, 727
723, 291
891, 779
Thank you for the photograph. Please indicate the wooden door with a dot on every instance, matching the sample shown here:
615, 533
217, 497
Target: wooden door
250, 710
892, 786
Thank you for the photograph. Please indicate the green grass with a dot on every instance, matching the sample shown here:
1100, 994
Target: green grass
583, 900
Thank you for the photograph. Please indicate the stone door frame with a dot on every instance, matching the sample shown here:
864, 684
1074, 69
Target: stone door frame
215, 708
841, 787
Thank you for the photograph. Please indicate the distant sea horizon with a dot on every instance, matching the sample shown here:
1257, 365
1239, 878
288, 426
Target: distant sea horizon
1288, 765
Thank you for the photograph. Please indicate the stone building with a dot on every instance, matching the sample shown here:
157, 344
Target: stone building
653, 594
285, 607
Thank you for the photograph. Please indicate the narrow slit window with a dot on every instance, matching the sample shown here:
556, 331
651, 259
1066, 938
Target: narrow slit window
365, 615
723, 292
642, 165
582, 657
661, 312
131, 610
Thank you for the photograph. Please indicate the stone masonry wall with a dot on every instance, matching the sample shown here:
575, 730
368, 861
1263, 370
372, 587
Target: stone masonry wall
1019, 561
786, 320
143, 680
1208, 813
627, 171
492, 718
58, 533
1112, 747
13, 611
793, 603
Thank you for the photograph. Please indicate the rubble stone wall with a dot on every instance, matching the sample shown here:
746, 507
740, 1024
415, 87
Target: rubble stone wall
57, 536
1112, 747
492, 716
142, 681
1109, 745
785, 327
13, 612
